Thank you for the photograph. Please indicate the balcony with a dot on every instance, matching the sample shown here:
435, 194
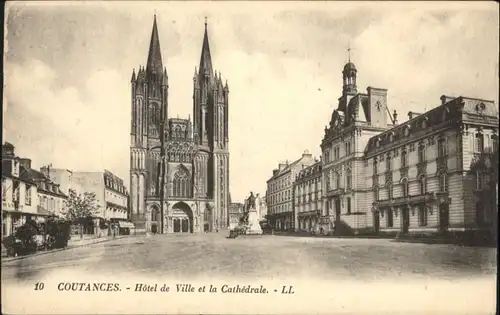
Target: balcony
388, 176
404, 171
405, 200
442, 162
421, 167
335, 192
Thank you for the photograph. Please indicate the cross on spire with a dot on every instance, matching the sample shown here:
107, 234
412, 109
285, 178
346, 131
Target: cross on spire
205, 22
349, 52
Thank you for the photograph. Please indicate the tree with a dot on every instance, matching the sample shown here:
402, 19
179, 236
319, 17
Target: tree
80, 208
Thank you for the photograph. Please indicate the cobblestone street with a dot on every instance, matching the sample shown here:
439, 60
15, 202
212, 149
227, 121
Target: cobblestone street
278, 257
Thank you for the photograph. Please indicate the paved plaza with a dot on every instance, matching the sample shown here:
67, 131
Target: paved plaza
266, 256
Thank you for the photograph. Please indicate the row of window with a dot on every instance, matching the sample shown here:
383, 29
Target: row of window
348, 149
279, 184
442, 151
422, 217
115, 186
16, 192
280, 196
308, 198
422, 184
51, 204
281, 208
336, 178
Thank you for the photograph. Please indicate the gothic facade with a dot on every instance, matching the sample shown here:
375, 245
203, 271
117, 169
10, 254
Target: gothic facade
196, 190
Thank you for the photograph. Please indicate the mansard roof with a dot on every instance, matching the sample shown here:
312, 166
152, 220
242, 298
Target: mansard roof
310, 171
451, 109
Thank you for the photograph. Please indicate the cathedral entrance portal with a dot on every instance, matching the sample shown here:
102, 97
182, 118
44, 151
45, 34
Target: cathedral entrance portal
182, 218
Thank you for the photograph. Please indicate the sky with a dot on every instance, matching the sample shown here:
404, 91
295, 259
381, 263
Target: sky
68, 66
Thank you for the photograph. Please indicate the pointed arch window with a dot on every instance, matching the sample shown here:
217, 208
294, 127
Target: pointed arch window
181, 183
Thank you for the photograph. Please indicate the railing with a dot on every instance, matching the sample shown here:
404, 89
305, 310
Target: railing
335, 192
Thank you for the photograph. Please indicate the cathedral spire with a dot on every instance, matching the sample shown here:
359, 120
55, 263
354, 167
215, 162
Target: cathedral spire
206, 59
154, 54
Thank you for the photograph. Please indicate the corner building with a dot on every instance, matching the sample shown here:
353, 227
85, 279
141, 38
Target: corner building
280, 192
197, 152
412, 177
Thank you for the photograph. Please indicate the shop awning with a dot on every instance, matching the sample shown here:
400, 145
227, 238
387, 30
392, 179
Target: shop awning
126, 224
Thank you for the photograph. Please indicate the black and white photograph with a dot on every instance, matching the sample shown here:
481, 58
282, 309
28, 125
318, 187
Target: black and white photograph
227, 157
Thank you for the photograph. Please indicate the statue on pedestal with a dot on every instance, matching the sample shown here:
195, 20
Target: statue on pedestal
251, 216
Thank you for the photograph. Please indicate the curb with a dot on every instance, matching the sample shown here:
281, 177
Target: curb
46, 252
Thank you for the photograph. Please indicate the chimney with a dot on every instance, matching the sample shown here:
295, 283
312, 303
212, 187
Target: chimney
395, 117
8, 150
26, 163
445, 99
275, 172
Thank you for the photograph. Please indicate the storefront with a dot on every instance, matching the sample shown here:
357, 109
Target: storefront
309, 220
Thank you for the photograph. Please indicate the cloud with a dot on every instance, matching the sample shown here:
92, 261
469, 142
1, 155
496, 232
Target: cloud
53, 124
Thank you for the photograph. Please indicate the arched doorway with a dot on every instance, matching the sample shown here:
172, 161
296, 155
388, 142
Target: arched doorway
182, 218
155, 219
208, 220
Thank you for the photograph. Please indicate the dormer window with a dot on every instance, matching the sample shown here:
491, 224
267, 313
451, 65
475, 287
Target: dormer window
391, 136
15, 168
480, 108
445, 114
424, 123
407, 131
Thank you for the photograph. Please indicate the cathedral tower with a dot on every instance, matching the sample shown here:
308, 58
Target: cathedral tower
196, 191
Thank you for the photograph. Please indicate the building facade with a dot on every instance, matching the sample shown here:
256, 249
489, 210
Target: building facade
308, 198
20, 194
109, 189
196, 179
116, 197
279, 193
263, 208
411, 177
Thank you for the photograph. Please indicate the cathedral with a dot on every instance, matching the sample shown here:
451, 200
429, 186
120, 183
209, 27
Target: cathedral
195, 153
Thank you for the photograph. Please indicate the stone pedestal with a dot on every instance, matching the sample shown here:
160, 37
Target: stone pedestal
253, 223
